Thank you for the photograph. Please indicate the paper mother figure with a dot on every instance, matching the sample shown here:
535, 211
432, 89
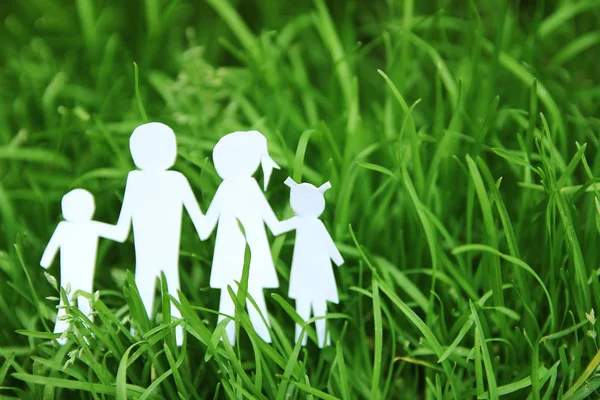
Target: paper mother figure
77, 240
239, 200
312, 282
153, 203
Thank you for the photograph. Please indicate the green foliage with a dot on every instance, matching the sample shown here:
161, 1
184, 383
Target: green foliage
461, 140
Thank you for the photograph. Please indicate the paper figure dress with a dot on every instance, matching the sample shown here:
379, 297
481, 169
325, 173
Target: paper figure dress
77, 240
312, 281
153, 203
240, 200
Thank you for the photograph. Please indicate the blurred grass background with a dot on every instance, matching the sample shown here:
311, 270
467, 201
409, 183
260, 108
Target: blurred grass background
461, 140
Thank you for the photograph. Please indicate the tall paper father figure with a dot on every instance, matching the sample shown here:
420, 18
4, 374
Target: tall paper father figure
239, 200
153, 203
312, 282
77, 240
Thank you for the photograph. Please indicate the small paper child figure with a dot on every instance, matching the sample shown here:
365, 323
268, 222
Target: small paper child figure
312, 282
153, 204
77, 239
239, 200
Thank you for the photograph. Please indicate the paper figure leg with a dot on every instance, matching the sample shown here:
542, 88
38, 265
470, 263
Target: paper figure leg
303, 310
84, 304
227, 307
61, 324
146, 285
320, 310
173, 285
255, 316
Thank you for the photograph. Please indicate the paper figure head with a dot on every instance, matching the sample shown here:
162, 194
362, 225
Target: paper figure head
238, 154
153, 147
78, 206
306, 199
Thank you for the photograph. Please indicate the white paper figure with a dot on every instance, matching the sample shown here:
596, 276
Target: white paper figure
239, 200
312, 282
153, 202
77, 240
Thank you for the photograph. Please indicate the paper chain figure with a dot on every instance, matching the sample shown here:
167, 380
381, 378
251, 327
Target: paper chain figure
239, 198
313, 252
153, 203
77, 240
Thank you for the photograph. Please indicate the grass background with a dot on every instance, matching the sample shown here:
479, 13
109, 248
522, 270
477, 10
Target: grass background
461, 140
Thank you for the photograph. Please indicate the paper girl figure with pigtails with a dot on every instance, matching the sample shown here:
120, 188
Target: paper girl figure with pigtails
153, 203
312, 282
240, 200
77, 240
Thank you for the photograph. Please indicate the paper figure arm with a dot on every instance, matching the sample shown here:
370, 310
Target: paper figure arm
265, 210
191, 205
112, 232
275, 226
212, 214
124, 223
52, 248
332, 249
287, 225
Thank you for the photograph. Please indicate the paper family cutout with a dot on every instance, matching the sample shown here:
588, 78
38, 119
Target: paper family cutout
312, 282
77, 240
153, 204
239, 200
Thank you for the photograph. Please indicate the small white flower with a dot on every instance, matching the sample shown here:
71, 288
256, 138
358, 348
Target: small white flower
591, 316
52, 280
591, 334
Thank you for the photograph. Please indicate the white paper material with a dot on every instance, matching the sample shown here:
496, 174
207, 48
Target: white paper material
312, 281
240, 201
153, 203
77, 240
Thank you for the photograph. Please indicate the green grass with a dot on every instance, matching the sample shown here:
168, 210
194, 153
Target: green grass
461, 140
